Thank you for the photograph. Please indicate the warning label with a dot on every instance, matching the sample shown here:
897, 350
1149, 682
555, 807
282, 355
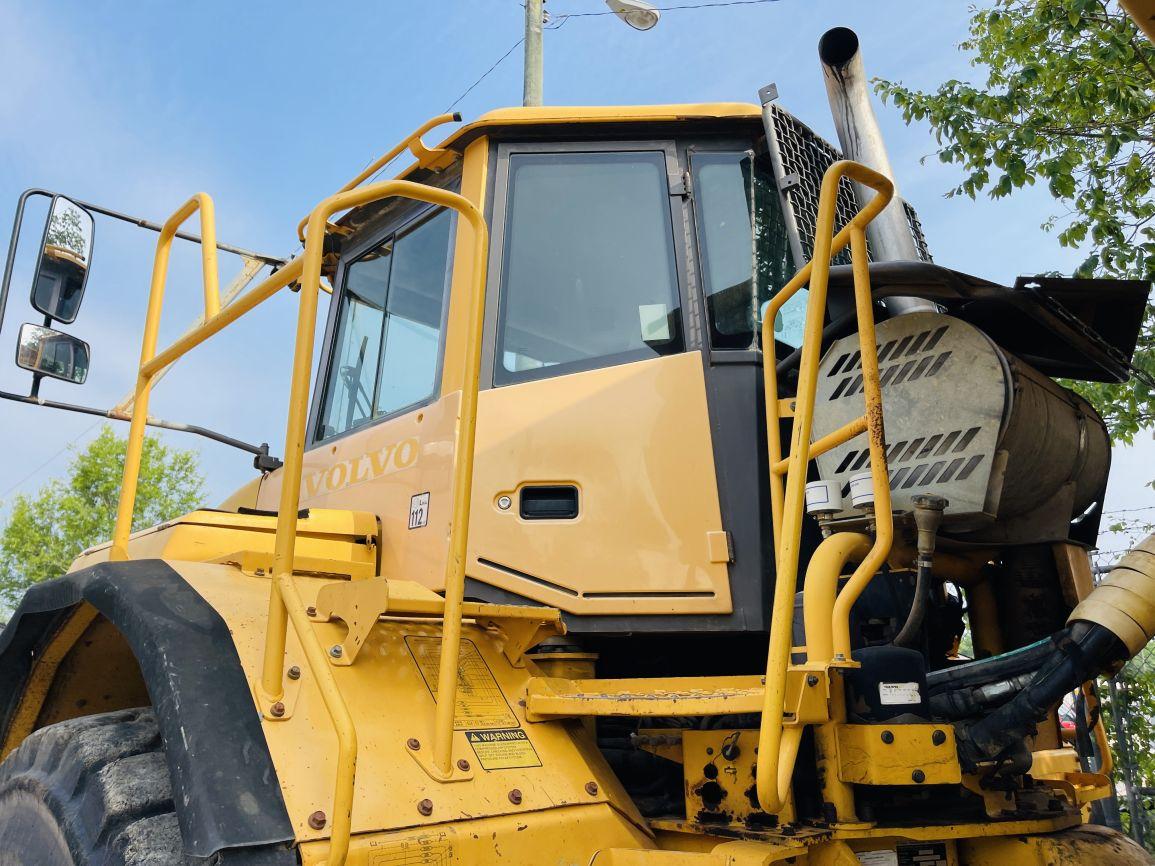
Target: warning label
480, 703
503, 750
430, 848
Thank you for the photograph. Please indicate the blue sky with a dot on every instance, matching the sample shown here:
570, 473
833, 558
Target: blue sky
270, 106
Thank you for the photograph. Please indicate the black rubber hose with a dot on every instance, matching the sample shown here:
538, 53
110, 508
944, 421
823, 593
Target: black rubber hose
1082, 651
911, 630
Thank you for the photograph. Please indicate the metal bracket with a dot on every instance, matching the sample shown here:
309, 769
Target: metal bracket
521, 635
358, 604
280, 710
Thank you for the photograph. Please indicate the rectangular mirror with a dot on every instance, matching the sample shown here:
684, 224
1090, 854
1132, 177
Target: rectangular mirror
64, 259
51, 353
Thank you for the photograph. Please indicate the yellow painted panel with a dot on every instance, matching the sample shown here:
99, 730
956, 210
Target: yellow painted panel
635, 440
391, 703
380, 469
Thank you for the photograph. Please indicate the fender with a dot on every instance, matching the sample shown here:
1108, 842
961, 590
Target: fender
224, 783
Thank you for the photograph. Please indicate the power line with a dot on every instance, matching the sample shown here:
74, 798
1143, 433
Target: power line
1130, 510
51, 459
485, 74
677, 8
559, 21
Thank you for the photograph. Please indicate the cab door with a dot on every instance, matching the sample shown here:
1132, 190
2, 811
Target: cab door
594, 487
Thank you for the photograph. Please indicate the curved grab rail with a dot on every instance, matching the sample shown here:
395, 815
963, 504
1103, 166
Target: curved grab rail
776, 752
412, 142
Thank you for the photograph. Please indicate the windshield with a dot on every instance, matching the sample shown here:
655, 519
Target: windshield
744, 248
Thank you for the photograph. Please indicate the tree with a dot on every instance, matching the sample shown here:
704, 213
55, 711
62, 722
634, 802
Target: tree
45, 532
1069, 99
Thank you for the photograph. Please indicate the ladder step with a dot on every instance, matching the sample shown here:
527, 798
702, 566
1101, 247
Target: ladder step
555, 697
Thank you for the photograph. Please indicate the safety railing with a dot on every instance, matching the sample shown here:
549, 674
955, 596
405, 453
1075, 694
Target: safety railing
778, 744
285, 603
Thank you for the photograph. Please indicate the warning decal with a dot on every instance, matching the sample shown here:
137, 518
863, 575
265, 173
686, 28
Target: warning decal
480, 703
503, 750
427, 848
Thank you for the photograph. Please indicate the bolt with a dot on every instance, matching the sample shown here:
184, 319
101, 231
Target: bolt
812, 680
425, 807
336, 651
887, 737
515, 797
294, 673
938, 737
463, 765
918, 776
318, 820
277, 709
709, 750
310, 611
592, 788
413, 743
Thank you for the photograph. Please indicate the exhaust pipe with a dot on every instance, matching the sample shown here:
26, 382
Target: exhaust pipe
860, 137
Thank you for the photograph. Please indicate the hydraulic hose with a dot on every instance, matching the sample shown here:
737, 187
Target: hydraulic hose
1106, 629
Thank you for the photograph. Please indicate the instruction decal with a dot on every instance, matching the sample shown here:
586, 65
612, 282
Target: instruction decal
428, 848
505, 749
480, 704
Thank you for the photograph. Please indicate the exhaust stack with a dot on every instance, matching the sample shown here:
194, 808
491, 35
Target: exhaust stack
861, 140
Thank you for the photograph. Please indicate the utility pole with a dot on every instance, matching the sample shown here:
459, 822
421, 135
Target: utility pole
534, 18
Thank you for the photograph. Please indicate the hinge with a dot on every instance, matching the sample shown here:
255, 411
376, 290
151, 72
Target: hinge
680, 185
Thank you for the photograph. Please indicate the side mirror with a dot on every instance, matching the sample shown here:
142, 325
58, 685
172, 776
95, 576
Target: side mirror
65, 256
51, 353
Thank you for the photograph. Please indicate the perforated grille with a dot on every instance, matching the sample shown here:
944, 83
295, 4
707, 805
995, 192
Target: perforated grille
898, 362
915, 224
805, 158
940, 458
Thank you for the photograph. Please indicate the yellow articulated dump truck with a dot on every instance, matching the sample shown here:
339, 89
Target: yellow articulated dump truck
650, 479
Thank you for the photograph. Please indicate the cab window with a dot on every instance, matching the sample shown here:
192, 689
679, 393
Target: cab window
588, 275
744, 248
387, 344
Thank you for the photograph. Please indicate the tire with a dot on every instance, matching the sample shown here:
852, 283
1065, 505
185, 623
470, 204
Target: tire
93, 791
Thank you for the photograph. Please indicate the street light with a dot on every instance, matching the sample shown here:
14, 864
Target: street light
637, 13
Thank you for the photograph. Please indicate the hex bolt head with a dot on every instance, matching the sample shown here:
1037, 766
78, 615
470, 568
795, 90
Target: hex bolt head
463, 765
294, 673
812, 680
592, 788
887, 737
318, 820
310, 611
938, 737
335, 651
515, 797
425, 807
413, 743
918, 776
277, 709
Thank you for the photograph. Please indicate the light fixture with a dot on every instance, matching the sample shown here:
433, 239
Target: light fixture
637, 13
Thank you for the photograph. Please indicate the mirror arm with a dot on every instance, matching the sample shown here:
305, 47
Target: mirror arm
274, 261
262, 460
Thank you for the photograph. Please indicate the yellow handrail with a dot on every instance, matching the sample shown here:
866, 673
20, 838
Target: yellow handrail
412, 142
777, 748
285, 603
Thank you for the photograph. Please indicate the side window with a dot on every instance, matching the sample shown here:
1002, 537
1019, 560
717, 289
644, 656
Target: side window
387, 342
744, 248
588, 271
